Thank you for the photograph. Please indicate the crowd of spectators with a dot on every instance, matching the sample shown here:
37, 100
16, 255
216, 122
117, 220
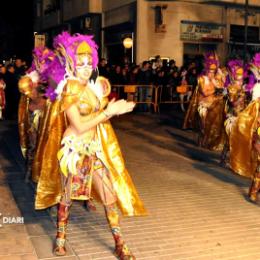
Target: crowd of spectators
157, 72
10, 74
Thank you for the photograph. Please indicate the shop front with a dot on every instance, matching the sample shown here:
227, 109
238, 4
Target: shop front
200, 37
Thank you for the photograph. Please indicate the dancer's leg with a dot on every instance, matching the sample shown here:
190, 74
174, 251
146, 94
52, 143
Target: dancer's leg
104, 188
62, 218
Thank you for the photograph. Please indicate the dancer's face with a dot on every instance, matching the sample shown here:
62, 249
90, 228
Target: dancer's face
84, 67
211, 74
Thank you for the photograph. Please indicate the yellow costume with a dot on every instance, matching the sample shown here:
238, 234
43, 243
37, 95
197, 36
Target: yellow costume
23, 123
46, 167
29, 116
243, 156
110, 154
209, 110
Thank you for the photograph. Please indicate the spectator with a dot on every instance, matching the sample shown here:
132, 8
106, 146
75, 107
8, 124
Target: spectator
192, 78
125, 76
2, 97
134, 75
102, 68
145, 78
12, 93
172, 66
2, 71
19, 68
116, 76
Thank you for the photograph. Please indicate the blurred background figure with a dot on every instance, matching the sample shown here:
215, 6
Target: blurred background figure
2, 97
12, 93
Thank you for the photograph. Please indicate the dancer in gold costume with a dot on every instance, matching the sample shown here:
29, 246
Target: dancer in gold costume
245, 135
236, 101
91, 163
207, 106
31, 105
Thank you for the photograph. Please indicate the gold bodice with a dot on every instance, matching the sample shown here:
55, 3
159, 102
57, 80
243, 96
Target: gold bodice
87, 103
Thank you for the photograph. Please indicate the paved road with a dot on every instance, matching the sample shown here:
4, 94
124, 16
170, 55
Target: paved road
197, 210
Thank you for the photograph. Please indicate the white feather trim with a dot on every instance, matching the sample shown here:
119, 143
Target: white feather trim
97, 88
256, 91
34, 76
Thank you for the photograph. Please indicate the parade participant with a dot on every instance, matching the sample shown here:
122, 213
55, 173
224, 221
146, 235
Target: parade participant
2, 98
236, 101
207, 105
91, 163
245, 153
31, 104
244, 146
253, 85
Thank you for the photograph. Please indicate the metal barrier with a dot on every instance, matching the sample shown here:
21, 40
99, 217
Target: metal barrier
174, 95
140, 94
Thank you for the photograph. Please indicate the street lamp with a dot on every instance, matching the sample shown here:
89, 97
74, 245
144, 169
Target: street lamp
128, 43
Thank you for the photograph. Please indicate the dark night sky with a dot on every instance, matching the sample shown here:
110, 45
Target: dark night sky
16, 29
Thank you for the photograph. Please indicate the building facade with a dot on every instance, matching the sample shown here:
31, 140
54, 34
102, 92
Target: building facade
180, 30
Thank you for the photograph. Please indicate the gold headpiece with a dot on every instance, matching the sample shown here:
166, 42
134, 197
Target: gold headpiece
212, 66
239, 71
83, 48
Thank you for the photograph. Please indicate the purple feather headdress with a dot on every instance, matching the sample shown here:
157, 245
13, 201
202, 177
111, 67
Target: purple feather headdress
210, 61
42, 59
49, 68
67, 44
55, 74
234, 65
256, 59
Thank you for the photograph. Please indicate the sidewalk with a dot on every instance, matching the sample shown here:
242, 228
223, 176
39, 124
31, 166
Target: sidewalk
197, 210
14, 240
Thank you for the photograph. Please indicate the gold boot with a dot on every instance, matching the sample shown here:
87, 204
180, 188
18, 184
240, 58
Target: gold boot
62, 221
122, 251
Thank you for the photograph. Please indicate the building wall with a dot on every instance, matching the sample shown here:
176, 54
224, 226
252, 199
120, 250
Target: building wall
95, 6
113, 4
116, 16
74, 8
237, 17
147, 42
251, 2
168, 44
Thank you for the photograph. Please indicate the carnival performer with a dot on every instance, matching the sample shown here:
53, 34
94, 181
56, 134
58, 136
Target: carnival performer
207, 105
91, 163
253, 85
245, 153
2, 98
236, 101
31, 105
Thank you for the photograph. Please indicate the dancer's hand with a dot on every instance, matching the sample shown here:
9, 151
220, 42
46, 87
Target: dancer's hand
119, 107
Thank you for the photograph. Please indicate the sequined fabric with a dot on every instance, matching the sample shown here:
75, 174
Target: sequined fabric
49, 187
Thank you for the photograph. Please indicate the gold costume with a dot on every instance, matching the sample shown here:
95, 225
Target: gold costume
23, 123
45, 166
100, 140
190, 120
209, 110
243, 156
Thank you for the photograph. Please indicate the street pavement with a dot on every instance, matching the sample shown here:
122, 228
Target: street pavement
197, 210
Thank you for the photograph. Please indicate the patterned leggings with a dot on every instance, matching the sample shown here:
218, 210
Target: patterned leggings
100, 181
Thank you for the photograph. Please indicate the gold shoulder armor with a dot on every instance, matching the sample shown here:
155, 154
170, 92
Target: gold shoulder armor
200, 81
70, 94
105, 85
25, 85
